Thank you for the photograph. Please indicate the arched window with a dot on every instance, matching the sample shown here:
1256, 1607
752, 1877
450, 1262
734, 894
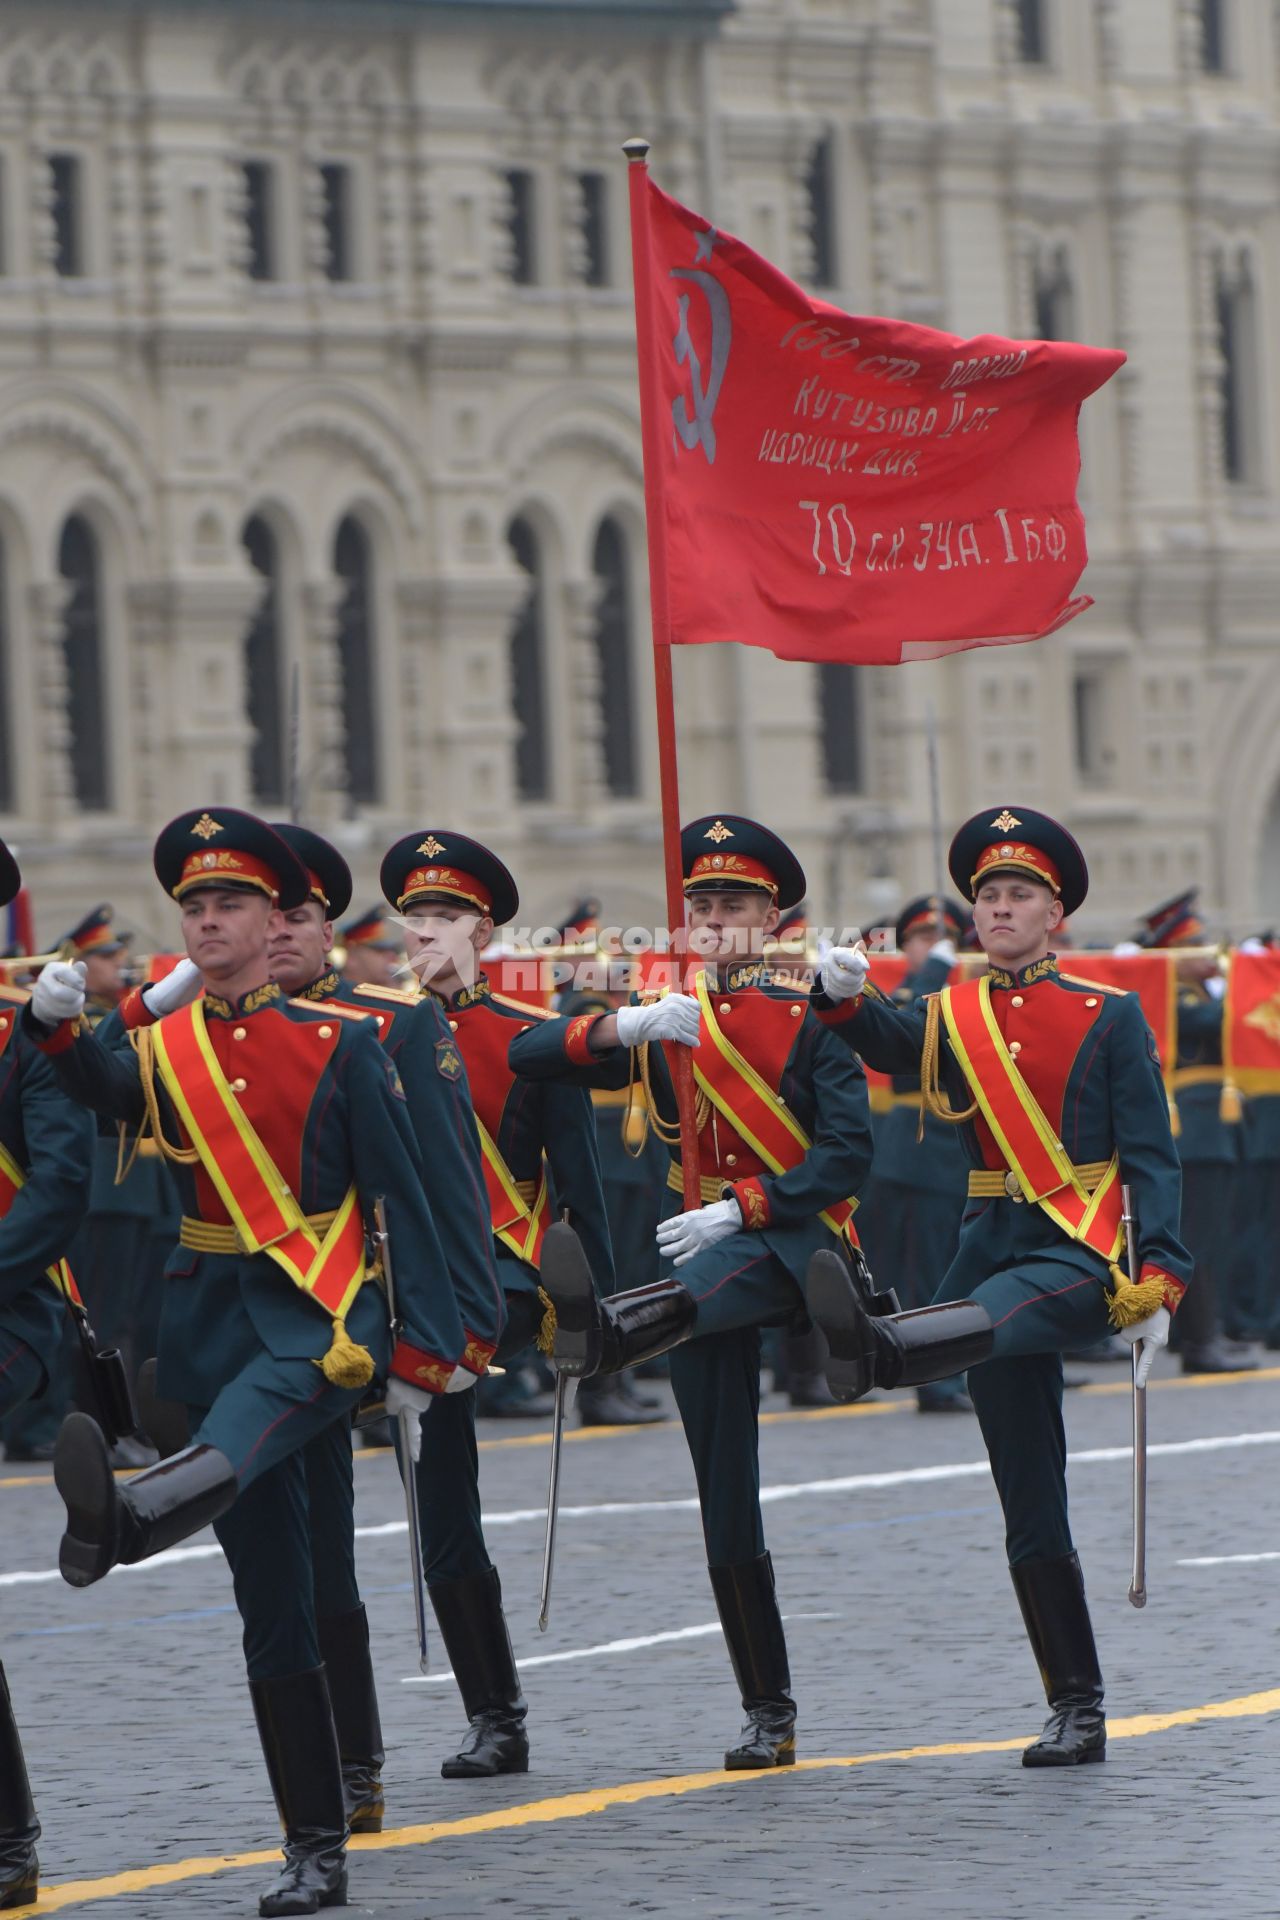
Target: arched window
840, 720
79, 563
611, 564
1237, 326
8, 802
1053, 295
353, 564
263, 671
528, 668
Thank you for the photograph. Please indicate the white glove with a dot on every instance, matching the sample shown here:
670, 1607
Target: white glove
1216, 985
1252, 945
1148, 1336
675, 1017
180, 986
944, 950
685, 1234
58, 993
1127, 949
844, 972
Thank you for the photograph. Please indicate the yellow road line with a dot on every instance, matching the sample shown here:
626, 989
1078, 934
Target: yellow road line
577, 1806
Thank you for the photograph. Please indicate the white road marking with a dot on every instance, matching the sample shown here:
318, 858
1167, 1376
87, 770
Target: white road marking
847, 1483
1227, 1560
633, 1645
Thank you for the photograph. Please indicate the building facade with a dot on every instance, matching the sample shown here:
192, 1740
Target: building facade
320, 477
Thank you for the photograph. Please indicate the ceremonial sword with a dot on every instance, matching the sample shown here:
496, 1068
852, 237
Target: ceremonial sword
553, 1500
1138, 1584
408, 1460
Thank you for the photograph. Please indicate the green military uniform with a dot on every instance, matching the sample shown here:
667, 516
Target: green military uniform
540, 1160
261, 1366
1087, 1058
709, 1313
45, 1147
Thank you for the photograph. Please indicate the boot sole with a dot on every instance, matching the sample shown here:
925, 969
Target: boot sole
82, 1474
337, 1897
455, 1770
566, 1279
25, 1895
1090, 1757
833, 1306
732, 1764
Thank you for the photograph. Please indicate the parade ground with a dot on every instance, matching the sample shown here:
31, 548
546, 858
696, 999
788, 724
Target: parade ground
914, 1680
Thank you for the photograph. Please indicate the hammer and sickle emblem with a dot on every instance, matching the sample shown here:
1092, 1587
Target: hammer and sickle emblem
700, 430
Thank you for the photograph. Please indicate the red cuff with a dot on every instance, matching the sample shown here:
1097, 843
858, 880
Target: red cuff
1173, 1289
837, 1015
477, 1353
135, 1012
577, 1035
63, 1036
753, 1201
419, 1369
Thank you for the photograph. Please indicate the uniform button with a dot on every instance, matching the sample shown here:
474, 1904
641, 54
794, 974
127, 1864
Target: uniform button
4, 1024
1015, 1046
380, 1018
796, 1012
731, 1159
1016, 1000
453, 1026
326, 1033
1092, 1000
724, 1006
238, 1086
238, 1033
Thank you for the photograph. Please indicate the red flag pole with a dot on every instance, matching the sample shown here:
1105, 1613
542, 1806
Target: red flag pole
680, 1058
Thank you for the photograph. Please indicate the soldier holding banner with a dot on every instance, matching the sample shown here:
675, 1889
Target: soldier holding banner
784, 1146
284, 1125
1055, 1083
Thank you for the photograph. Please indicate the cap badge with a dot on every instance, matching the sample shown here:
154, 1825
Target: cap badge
1006, 853
433, 873
209, 860
431, 846
718, 832
205, 828
1006, 821
717, 859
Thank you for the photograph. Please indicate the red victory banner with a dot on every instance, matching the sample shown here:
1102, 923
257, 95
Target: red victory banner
1251, 1028
838, 487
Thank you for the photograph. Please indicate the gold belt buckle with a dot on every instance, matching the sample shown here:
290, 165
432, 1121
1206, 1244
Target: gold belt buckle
1012, 1186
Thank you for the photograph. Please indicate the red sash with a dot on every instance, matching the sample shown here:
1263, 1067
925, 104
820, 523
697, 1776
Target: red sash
755, 1110
1028, 1144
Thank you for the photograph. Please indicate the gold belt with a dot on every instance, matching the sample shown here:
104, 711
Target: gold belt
1197, 1077
986, 1183
213, 1236
712, 1186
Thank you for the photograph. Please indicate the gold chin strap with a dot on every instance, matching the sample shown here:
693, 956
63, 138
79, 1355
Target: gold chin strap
933, 1095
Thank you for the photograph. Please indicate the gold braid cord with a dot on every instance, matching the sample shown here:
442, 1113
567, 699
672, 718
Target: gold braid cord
153, 1123
933, 1095
667, 1131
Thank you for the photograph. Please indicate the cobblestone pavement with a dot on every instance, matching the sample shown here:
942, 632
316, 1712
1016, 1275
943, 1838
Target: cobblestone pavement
904, 1635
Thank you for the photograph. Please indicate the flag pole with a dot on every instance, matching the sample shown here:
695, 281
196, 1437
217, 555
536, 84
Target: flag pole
679, 1057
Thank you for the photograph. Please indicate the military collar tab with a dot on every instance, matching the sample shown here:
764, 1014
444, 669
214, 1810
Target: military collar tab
1046, 969
251, 1002
751, 973
468, 996
322, 989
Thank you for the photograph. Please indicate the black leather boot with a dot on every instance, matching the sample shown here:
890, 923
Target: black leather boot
603, 1336
344, 1648
474, 1630
300, 1746
748, 1607
1197, 1332
109, 1524
894, 1349
1056, 1614
602, 1402
19, 1828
